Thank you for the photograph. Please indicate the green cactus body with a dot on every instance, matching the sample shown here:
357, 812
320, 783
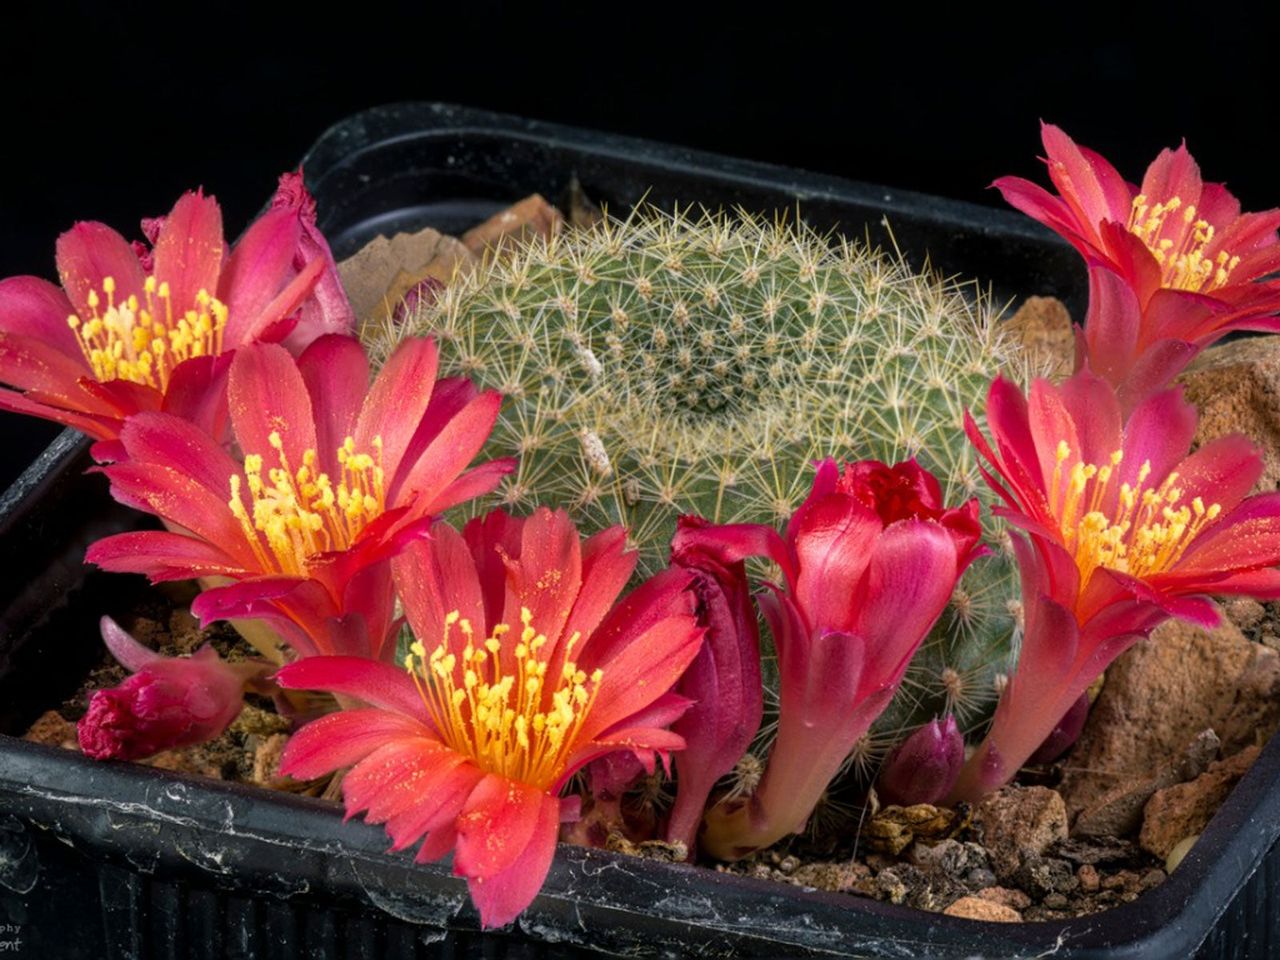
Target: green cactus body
700, 364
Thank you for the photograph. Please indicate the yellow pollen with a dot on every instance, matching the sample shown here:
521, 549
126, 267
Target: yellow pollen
1132, 529
142, 341
1178, 241
523, 724
295, 514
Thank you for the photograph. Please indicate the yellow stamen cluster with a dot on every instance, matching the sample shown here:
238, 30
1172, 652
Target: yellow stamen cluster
515, 715
144, 342
300, 513
1136, 529
1178, 241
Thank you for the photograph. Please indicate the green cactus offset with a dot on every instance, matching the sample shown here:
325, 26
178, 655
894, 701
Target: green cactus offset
671, 364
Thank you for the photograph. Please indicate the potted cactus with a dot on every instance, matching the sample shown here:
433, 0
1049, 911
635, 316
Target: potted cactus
628, 416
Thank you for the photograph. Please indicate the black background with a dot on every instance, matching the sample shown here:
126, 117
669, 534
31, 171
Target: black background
111, 113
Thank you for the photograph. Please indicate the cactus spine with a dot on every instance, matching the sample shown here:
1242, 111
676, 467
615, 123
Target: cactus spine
700, 363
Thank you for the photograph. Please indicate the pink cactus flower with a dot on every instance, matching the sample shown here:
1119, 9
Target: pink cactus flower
526, 668
1124, 529
150, 329
1174, 263
336, 479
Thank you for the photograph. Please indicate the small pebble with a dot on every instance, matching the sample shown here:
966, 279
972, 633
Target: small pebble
1056, 901
1179, 851
1088, 877
1153, 878
981, 877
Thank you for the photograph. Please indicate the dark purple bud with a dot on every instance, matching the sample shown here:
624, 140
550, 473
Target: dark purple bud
925, 766
1064, 734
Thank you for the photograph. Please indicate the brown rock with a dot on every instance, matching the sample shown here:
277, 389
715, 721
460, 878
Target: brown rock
1005, 896
1118, 812
383, 271
1088, 877
1254, 713
266, 759
976, 908
1182, 810
582, 211
1236, 388
1018, 822
53, 729
1043, 326
1158, 696
532, 216
1244, 612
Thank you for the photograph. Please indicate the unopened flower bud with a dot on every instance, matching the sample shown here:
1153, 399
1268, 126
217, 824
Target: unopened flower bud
924, 767
167, 702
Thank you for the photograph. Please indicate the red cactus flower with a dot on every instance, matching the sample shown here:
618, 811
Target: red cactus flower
336, 479
1124, 530
136, 329
167, 702
870, 560
1190, 259
524, 670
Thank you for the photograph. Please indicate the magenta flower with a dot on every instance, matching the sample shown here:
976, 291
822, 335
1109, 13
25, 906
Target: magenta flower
149, 329
870, 560
167, 702
1124, 529
337, 478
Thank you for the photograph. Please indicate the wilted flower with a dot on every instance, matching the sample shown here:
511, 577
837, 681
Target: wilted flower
337, 477
136, 329
524, 670
167, 702
723, 682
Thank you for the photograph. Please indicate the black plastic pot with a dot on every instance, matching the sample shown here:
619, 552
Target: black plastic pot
119, 861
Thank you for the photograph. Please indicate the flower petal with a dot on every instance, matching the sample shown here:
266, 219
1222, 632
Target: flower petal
496, 825
188, 251
336, 373
268, 396
340, 739
379, 684
87, 254
910, 579
160, 556
502, 896
257, 270
32, 307
403, 386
